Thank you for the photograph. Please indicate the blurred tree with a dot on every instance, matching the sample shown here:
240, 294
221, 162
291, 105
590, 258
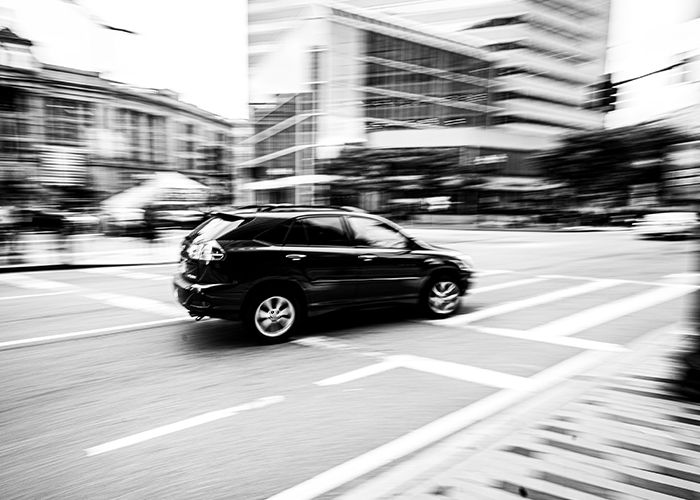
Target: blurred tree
603, 165
399, 173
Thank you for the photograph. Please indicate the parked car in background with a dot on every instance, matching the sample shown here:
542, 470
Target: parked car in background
664, 224
272, 266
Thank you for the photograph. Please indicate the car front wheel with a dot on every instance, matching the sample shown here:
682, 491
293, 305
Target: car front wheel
442, 297
273, 317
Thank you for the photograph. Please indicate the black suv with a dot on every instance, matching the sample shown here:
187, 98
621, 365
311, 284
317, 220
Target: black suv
272, 265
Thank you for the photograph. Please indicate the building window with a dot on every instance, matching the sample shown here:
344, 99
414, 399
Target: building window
67, 121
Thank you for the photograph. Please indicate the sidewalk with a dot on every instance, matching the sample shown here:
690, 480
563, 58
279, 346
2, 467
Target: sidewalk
624, 434
36, 251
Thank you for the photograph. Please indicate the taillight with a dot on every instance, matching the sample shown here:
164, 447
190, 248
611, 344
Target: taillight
206, 251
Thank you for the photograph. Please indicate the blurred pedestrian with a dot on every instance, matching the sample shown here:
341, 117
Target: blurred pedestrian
150, 229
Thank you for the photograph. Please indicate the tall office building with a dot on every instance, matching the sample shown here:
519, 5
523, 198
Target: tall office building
496, 79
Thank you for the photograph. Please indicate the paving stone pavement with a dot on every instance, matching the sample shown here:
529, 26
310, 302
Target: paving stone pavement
628, 435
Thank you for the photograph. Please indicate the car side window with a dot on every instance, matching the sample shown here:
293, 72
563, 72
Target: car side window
375, 234
275, 235
325, 231
297, 234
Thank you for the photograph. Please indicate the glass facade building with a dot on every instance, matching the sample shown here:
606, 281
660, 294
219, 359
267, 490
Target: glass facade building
492, 79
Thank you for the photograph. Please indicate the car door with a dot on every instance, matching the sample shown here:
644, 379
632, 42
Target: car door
388, 269
318, 247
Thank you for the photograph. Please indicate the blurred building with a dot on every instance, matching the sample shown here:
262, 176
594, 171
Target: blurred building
62, 127
499, 80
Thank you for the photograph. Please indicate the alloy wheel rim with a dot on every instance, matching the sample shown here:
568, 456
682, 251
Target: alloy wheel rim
275, 316
444, 297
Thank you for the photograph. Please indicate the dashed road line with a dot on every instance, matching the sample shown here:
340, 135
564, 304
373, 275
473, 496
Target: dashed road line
96, 332
181, 425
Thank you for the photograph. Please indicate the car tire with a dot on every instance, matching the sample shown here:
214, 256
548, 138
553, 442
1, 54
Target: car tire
273, 316
441, 297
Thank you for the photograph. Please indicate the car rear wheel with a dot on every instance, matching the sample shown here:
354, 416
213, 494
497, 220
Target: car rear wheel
273, 316
442, 297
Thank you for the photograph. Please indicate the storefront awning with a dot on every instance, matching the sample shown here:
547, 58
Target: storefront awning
518, 184
294, 180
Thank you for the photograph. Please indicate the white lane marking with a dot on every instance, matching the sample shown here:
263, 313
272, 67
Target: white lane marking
103, 270
589, 278
142, 276
604, 313
181, 425
365, 371
462, 319
690, 277
32, 295
459, 371
334, 344
86, 333
23, 280
125, 273
491, 272
449, 369
137, 303
436, 430
564, 341
502, 286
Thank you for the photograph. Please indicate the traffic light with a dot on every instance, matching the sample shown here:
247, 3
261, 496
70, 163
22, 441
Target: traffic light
602, 95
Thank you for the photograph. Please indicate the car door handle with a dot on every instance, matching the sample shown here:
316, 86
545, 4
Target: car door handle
367, 257
295, 256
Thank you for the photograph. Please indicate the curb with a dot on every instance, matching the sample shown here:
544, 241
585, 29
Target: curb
414, 472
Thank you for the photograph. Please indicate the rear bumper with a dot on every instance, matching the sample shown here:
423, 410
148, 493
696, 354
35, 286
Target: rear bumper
218, 300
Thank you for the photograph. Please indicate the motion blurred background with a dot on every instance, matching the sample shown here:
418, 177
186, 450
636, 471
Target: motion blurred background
118, 117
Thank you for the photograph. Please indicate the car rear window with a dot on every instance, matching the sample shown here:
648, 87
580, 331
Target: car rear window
217, 228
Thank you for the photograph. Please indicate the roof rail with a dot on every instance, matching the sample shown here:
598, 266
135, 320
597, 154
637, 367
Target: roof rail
289, 207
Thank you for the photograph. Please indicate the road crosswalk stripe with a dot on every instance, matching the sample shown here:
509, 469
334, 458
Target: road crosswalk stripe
604, 313
138, 304
35, 295
463, 319
22, 280
565, 341
125, 273
508, 284
449, 369
491, 272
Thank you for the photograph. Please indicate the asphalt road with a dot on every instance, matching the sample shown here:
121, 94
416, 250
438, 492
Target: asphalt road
109, 390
